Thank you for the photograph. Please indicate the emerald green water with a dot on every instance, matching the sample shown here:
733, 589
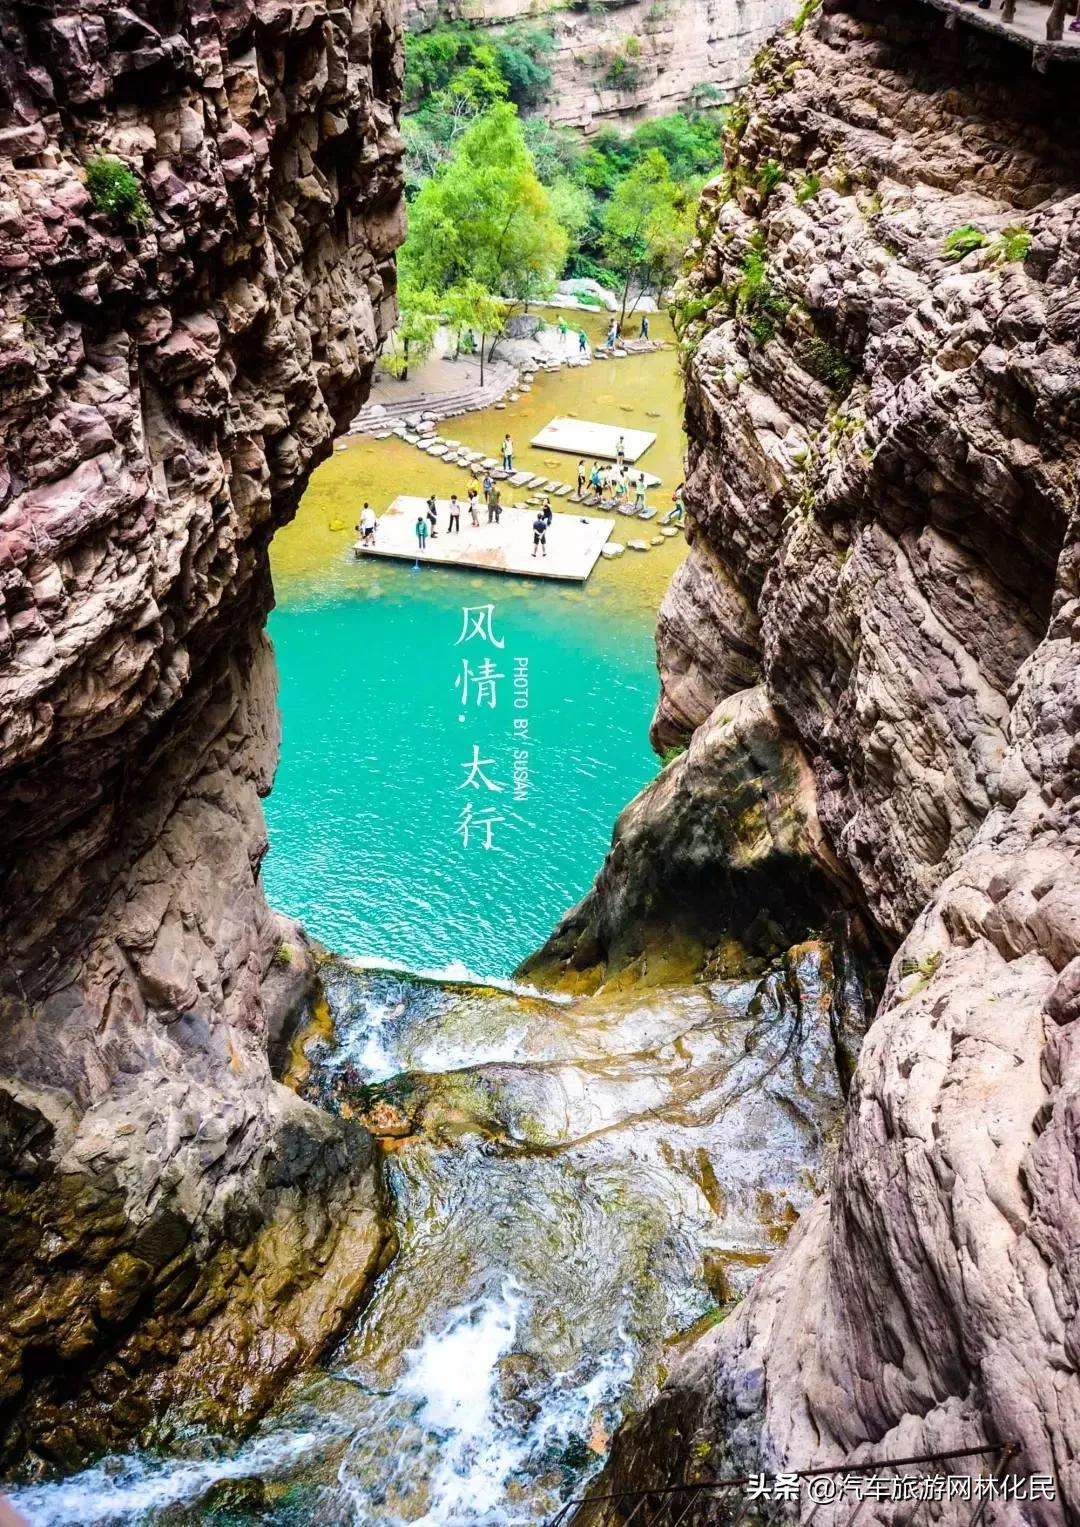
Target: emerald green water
368, 841
365, 815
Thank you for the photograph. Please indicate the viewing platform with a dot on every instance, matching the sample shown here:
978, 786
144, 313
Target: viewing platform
1043, 29
583, 437
574, 542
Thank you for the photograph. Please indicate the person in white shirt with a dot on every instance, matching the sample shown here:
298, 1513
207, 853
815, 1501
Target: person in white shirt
367, 525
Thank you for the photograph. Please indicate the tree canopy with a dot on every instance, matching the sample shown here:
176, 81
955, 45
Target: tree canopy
647, 225
484, 216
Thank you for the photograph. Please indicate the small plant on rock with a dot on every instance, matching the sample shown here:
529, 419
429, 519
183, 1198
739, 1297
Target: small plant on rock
770, 177
1012, 244
803, 14
115, 191
808, 187
963, 241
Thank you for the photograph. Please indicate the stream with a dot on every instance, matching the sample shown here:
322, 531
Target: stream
580, 1184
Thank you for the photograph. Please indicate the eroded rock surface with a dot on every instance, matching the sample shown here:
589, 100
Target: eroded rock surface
884, 444
169, 375
627, 59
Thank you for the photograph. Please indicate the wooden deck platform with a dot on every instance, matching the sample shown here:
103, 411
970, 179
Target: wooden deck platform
584, 437
574, 541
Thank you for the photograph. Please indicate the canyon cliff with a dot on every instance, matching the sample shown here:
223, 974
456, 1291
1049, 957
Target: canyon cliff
880, 334
174, 362
627, 59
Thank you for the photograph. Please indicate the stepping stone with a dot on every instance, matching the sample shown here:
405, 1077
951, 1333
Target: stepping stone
669, 531
384, 434
438, 449
646, 514
500, 407
340, 446
535, 482
612, 549
564, 491
625, 509
513, 397
489, 462
591, 501
519, 479
638, 545
525, 388
657, 541
498, 474
455, 445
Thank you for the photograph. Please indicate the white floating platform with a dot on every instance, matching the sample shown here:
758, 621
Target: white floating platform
581, 437
574, 542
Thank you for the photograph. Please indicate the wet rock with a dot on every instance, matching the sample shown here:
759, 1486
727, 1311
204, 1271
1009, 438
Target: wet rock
883, 472
722, 860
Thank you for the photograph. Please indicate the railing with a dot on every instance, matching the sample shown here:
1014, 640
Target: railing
730, 1500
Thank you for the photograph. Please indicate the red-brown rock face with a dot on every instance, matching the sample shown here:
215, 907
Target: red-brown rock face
885, 444
167, 381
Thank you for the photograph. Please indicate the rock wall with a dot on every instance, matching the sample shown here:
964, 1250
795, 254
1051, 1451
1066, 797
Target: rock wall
884, 453
628, 59
169, 375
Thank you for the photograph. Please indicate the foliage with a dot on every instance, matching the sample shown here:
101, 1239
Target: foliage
623, 71
808, 187
770, 177
762, 304
1012, 243
485, 217
828, 365
647, 224
675, 751
963, 241
803, 14
115, 191
413, 337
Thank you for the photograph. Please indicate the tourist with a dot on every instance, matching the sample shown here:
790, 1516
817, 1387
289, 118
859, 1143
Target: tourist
581, 477
494, 506
473, 516
644, 325
563, 328
639, 493
545, 510
455, 513
421, 531
432, 516
474, 486
594, 477
620, 493
508, 453
612, 335
620, 449
367, 525
582, 342
674, 516
489, 483
540, 526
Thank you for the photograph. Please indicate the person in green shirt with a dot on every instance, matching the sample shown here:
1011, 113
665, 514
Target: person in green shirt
421, 531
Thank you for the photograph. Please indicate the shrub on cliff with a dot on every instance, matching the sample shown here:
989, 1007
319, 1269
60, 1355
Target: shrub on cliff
115, 191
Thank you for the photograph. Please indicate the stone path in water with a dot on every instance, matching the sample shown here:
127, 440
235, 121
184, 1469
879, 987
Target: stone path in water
414, 420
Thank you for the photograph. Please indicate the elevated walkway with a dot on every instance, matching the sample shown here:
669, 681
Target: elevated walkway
1041, 29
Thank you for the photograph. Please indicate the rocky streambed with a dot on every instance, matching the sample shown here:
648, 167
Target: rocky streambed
574, 1186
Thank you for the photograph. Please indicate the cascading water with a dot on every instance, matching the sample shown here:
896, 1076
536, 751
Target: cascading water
559, 1222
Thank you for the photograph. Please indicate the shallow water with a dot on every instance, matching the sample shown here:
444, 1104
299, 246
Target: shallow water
369, 848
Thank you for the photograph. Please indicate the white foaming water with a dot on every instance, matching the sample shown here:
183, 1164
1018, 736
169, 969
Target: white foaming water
125, 1487
456, 974
460, 1446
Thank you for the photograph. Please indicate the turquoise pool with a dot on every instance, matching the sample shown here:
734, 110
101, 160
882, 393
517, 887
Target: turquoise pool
383, 805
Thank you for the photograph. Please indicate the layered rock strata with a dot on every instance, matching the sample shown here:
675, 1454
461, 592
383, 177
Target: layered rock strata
882, 402
199, 207
628, 59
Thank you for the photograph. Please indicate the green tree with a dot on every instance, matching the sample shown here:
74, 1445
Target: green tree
413, 336
646, 227
484, 217
471, 306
